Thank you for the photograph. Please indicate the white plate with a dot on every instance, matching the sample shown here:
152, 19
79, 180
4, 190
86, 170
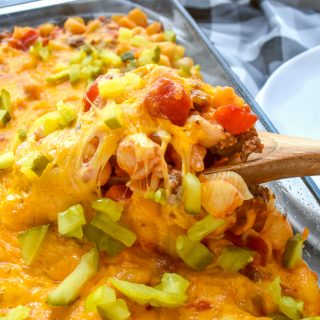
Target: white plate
291, 96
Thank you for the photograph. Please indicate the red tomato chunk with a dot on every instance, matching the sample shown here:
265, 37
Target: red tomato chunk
235, 119
168, 99
90, 96
26, 40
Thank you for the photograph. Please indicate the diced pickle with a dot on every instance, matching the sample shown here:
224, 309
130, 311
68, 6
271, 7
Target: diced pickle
169, 35
235, 258
112, 88
125, 34
17, 313
39, 51
22, 134
293, 252
48, 123
33, 165
160, 196
149, 56
110, 58
193, 253
71, 220
4, 117
30, 242
170, 292
116, 310
103, 241
129, 55
191, 194
62, 75
6, 160
112, 116
74, 73
5, 101
109, 207
113, 229
102, 295
204, 227
69, 289
67, 113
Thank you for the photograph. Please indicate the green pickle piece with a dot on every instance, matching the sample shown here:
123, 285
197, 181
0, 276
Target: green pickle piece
4, 118
160, 196
129, 55
112, 116
59, 76
116, 310
149, 56
76, 233
5, 101
170, 35
193, 253
71, 220
291, 308
113, 229
17, 313
204, 227
44, 53
109, 207
234, 258
170, 292
30, 242
78, 57
69, 289
67, 113
22, 134
6, 160
48, 123
39, 51
191, 187
74, 73
293, 252
110, 58
34, 165
279, 317
102, 295
103, 241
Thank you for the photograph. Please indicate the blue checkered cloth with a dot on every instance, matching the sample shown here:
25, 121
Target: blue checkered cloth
256, 37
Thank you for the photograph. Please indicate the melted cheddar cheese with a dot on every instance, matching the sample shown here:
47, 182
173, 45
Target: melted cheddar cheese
168, 129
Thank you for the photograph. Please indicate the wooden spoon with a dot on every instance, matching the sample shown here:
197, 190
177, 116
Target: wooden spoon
282, 157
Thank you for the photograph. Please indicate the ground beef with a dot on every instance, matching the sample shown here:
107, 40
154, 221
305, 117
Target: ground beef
260, 192
261, 196
200, 100
76, 41
244, 144
259, 202
175, 180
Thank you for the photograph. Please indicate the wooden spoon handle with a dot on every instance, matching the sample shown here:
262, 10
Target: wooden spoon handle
283, 157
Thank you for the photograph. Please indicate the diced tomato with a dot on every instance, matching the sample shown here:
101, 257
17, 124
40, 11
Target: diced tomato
235, 119
30, 37
118, 192
90, 96
26, 40
168, 99
45, 41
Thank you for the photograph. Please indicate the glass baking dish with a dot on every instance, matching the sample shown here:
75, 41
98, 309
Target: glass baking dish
298, 198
